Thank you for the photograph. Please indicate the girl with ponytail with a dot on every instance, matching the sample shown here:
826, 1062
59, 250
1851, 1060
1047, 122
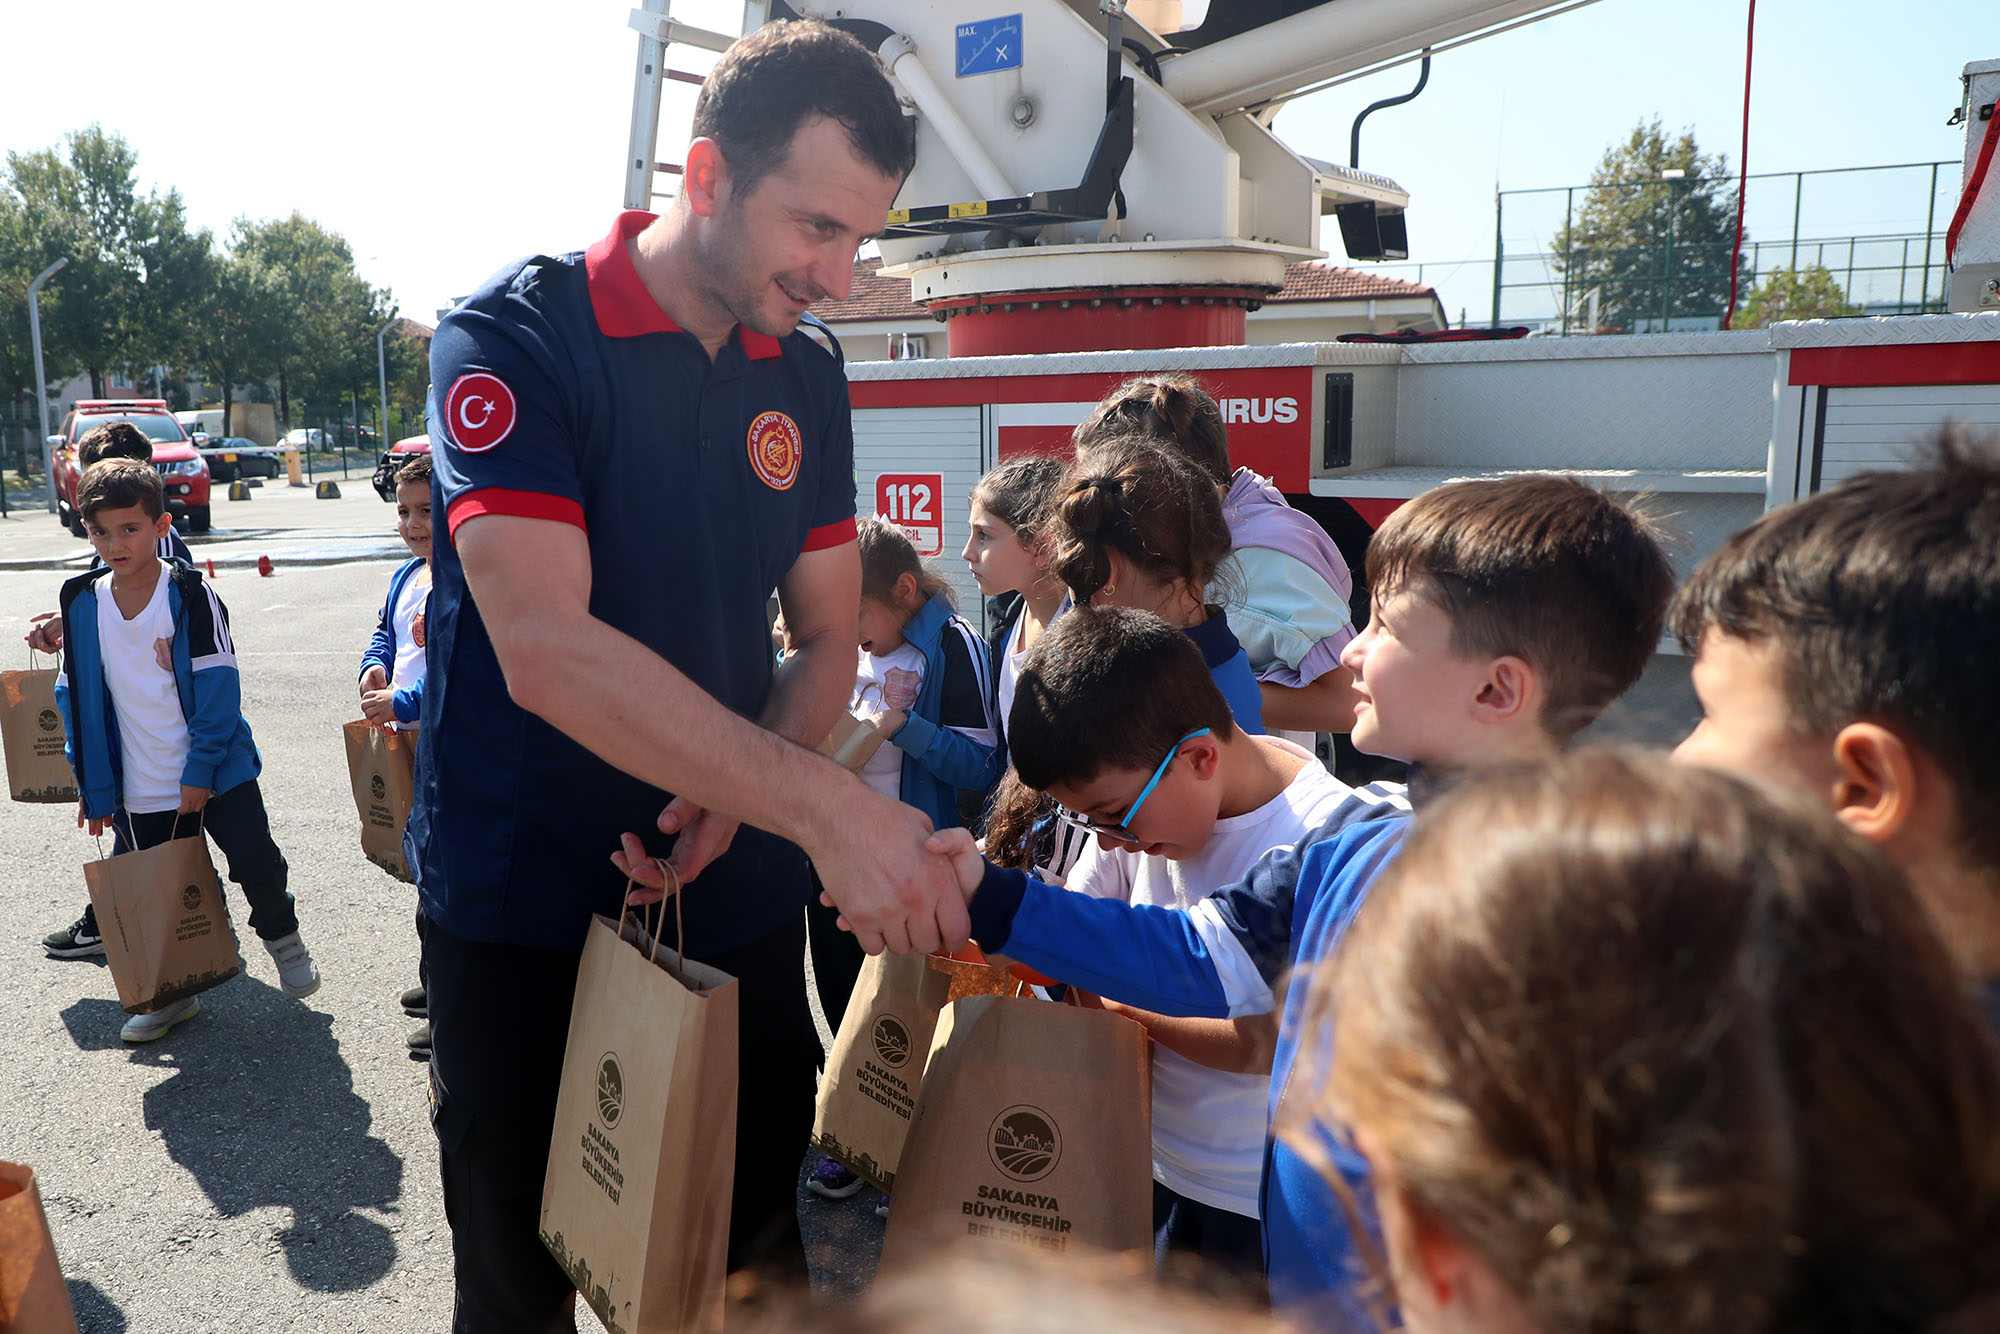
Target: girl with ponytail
1140, 526
1289, 589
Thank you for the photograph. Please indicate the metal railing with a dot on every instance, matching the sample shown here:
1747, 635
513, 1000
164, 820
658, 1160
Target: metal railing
1878, 230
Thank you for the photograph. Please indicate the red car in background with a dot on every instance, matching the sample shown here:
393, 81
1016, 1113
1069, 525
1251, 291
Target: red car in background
182, 470
392, 459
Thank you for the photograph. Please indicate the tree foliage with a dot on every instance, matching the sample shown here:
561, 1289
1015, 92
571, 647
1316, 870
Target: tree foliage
143, 289
1651, 248
325, 348
1812, 293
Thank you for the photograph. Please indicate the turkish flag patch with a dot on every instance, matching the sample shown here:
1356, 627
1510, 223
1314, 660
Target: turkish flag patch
479, 411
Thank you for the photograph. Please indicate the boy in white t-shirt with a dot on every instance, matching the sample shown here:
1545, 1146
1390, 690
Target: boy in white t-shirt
1120, 721
392, 670
152, 712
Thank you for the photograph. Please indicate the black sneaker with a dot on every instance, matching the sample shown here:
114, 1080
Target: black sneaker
416, 1002
74, 941
832, 1181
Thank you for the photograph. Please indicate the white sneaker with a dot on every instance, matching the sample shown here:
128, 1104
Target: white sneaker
297, 973
146, 1027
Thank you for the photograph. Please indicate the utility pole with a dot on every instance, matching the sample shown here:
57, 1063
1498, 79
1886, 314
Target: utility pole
41, 383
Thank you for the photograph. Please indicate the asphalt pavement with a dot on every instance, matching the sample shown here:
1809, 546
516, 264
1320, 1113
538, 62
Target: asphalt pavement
269, 1164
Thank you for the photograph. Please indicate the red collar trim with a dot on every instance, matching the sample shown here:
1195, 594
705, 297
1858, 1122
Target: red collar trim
623, 306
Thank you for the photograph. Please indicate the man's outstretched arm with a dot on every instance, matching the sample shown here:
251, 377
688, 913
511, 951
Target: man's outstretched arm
531, 581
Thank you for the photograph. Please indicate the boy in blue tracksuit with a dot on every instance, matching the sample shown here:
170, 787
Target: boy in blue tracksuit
1505, 616
150, 700
394, 667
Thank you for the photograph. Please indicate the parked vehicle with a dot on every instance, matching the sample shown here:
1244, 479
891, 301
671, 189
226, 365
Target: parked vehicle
182, 469
392, 459
231, 457
300, 437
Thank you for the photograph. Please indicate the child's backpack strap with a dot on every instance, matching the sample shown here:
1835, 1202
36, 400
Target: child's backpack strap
832, 339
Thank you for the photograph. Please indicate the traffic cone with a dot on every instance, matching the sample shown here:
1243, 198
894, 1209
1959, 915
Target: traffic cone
211, 567
264, 566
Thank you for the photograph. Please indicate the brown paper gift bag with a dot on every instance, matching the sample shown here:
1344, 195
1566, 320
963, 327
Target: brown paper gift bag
852, 742
32, 732
869, 1090
33, 1298
381, 766
635, 1206
1033, 1129
165, 925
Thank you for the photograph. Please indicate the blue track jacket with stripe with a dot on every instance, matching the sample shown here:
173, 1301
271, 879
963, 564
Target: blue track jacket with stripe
1225, 958
221, 753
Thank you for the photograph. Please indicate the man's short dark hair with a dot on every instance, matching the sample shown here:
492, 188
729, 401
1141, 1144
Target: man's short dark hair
113, 440
1108, 688
1545, 569
415, 469
1881, 599
772, 81
116, 484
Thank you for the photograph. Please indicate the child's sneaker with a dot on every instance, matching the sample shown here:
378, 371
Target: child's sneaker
146, 1027
832, 1181
297, 973
74, 941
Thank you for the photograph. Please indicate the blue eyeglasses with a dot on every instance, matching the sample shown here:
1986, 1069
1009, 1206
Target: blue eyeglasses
1122, 830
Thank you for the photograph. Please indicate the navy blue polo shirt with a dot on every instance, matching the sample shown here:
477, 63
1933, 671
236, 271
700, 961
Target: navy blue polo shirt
561, 391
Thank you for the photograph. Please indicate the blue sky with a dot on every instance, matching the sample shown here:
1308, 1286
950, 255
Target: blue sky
443, 139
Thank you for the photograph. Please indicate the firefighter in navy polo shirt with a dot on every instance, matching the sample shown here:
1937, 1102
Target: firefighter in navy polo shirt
634, 446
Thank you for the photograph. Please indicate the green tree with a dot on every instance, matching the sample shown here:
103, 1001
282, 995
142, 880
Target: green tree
180, 270
1652, 241
1812, 293
238, 321
409, 362
323, 343
85, 204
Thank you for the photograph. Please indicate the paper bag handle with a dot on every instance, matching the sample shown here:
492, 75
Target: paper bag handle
132, 835
625, 909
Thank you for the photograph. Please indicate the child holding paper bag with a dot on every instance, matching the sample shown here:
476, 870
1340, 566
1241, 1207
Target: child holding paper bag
152, 707
922, 685
392, 670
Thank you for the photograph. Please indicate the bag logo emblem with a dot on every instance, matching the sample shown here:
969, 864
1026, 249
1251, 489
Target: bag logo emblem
892, 1041
48, 720
1025, 1143
377, 786
775, 450
610, 1090
191, 897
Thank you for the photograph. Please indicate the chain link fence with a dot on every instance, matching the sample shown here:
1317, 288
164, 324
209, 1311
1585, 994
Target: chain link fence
1879, 231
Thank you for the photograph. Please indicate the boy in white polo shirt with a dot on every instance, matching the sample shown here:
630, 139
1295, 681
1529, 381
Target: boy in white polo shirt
1119, 720
152, 709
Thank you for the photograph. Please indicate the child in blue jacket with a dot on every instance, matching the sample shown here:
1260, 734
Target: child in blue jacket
151, 706
922, 678
392, 670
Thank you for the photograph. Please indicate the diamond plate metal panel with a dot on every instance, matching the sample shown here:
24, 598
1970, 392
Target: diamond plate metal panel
1661, 413
1888, 331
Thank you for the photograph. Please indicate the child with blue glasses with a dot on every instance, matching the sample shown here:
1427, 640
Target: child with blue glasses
1118, 718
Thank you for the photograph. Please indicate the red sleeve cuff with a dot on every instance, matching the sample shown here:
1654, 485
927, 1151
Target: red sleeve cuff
520, 504
830, 535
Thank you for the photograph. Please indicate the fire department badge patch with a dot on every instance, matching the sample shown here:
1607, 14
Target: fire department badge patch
775, 450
